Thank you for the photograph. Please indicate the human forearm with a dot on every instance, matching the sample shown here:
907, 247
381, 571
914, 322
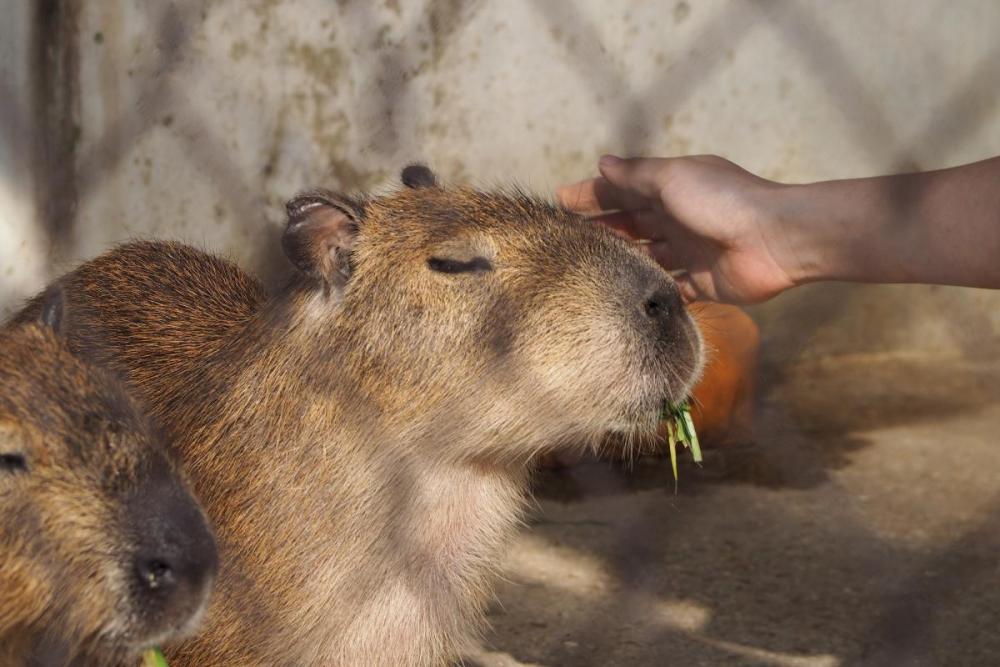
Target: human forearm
932, 227
732, 236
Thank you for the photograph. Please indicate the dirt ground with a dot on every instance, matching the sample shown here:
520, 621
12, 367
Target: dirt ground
863, 528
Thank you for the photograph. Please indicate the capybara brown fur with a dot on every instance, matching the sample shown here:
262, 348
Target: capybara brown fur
103, 550
723, 402
363, 439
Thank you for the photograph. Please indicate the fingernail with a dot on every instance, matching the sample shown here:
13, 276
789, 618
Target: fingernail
608, 161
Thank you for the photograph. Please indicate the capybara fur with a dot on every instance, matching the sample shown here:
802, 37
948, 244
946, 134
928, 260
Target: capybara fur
363, 438
103, 550
723, 402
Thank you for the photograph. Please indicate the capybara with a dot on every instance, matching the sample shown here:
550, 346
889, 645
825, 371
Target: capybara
363, 439
103, 550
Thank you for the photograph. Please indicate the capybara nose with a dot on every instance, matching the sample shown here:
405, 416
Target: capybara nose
177, 551
663, 304
175, 561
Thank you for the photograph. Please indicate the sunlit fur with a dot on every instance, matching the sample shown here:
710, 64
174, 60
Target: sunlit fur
365, 454
66, 537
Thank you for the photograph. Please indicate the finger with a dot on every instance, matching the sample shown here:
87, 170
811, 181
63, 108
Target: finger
641, 176
669, 259
619, 224
660, 252
580, 196
595, 195
689, 293
685, 284
635, 224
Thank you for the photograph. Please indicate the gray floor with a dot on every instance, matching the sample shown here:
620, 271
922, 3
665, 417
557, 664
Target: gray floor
864, 528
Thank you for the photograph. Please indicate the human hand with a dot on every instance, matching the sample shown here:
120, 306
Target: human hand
712, 223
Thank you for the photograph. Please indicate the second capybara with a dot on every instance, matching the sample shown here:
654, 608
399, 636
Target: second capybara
363, 439
103, 550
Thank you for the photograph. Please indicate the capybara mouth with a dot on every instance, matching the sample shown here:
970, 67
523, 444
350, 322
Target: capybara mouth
180, 625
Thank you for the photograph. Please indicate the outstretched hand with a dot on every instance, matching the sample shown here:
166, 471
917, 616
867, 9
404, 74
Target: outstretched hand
702, 217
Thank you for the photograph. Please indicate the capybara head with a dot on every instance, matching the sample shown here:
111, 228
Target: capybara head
495, 302
103, 550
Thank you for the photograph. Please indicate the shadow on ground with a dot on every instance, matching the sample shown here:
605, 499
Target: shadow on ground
862, 529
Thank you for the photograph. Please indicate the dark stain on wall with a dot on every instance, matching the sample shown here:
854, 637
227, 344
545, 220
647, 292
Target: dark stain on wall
56, 108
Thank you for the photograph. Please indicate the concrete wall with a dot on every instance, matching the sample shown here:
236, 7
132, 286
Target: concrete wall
195, 120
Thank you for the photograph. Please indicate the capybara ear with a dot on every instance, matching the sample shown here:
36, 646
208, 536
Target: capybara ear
53, 308
418, 176
321, 231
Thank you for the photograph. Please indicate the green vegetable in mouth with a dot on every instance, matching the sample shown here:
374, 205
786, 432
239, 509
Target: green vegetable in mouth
154, 658
680, 428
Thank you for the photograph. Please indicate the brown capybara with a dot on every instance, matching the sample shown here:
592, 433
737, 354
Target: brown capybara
362, 439
103, 550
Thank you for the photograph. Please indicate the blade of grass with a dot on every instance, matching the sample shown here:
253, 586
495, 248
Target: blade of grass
154, 658
672, 443
692, 435
680, 428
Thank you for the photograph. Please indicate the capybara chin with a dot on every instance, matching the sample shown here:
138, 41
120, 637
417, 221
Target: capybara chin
362, 439
103, 550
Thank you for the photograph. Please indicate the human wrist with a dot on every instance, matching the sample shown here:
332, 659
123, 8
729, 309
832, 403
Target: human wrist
840, 230
791, 229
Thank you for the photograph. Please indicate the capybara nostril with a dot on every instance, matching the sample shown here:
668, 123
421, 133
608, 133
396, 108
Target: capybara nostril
663, 303
155, 574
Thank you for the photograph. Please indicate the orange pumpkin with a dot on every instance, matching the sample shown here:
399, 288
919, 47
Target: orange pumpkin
722, 403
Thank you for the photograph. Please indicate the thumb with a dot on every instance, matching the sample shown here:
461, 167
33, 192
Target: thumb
644, 176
